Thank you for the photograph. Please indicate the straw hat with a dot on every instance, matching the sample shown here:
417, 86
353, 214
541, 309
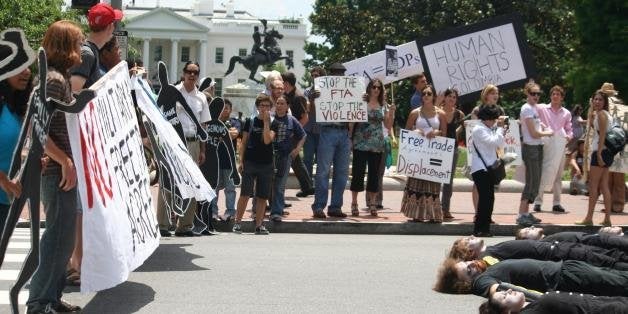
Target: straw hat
609, 89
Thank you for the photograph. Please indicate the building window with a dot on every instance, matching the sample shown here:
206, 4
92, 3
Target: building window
242, 52
218, 87
290, 54
158, 53
185, 54
240, 81
219, 54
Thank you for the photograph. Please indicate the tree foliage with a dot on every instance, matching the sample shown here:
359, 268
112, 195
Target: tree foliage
355, 28
34, 16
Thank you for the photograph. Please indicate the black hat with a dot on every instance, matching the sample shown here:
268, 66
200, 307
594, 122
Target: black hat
488, 112
15, 53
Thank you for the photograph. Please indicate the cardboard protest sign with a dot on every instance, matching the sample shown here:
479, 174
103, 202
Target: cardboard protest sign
511, 138
374, 65
175, 164
469, 57
28, 171
121, 230
426, 159
341, 99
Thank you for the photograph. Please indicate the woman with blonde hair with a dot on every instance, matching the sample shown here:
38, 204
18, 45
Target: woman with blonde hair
421, 201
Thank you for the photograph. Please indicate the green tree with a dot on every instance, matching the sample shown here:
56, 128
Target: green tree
34, 16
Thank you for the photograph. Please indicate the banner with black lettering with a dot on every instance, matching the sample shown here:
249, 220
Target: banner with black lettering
426, 159
119, 226
375, 65
341, 99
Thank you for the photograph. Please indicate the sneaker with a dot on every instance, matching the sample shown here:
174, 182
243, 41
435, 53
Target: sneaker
237, 228
276, 217
165, 233
537, 207
558, 209
261, 230
534, 219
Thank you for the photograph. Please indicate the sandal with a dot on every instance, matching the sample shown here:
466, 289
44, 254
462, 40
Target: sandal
373, 210
355, 212
584, 223
606, 223
73, 277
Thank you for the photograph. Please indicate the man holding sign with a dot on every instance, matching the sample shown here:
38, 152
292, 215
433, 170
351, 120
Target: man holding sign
340, 102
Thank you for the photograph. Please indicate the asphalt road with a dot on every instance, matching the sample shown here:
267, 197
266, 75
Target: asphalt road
285, 273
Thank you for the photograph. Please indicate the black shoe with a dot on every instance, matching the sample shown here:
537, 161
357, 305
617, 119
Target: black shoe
65, 307
558, 209
306, 193
319, 214
483, 234
165, 233
287, 205
337, 213
537, 208
188, 233
208, 232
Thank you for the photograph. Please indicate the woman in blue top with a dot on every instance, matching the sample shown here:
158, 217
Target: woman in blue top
369, 146
14, 92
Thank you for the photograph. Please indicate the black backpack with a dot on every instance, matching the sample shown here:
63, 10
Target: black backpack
615, 138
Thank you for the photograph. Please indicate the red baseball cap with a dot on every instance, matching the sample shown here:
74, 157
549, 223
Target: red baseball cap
102, 15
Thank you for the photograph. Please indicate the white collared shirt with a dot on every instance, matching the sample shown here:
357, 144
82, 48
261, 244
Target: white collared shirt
198, 103
487, 141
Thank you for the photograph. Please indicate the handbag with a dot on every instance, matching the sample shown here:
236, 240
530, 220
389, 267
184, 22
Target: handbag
497, 170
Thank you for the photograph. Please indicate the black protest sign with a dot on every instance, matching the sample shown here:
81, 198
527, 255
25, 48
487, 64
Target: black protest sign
36, 123
469, 57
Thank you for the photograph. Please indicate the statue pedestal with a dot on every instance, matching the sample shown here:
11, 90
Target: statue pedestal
242, 96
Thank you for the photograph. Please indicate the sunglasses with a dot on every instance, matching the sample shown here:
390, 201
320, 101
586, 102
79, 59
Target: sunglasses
191, 72
376, 87
535, 94
427, 93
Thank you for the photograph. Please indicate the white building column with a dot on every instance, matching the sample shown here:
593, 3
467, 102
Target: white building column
146, 53
174, 74
202, 59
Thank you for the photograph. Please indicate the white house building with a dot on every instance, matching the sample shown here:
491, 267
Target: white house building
208, 36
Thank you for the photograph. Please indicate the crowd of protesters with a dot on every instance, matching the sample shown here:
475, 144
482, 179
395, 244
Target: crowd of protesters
284, 126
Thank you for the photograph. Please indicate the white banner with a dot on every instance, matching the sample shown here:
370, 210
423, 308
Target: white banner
426, 159
374, 65
470, 61
511, 138
341, 99
119, 226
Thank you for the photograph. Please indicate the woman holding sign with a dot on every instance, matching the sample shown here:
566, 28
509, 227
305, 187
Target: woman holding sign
369, 146
421, 201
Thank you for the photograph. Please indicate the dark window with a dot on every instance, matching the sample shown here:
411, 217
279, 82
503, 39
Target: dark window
242, 52
220, 54
185, 54
218, 87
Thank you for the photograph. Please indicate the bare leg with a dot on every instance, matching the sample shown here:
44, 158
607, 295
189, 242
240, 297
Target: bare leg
259, 214
595, 175
354, 198
242, 202
606, 193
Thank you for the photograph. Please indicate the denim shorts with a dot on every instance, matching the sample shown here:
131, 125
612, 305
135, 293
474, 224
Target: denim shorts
607, 157
258, 176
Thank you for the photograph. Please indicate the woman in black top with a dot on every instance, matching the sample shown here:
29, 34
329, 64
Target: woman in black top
454, 118
556, 302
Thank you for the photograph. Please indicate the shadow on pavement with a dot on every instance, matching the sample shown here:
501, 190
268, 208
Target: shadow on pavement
109, 301
170, 257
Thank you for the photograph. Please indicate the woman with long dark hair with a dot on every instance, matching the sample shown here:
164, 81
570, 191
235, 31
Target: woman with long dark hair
369, 147
454, 118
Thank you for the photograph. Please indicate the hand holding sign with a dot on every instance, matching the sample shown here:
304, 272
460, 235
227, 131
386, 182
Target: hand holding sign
340, 99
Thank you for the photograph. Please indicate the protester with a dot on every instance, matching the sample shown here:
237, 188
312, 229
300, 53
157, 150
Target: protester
62, 43
109, 55
333, 150
577, 125
616, 180
369, 147
454, 118
198, 104
557, 119
487, 138
600, 120
532, 130
419, 82
510, 301
256, 163
607, 237
297, 104
470, 248
421, 197
285, 151
15, 87
386, 161
312, 129
225, 180
482, 278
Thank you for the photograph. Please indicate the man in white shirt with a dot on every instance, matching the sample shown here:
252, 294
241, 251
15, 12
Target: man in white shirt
198, 103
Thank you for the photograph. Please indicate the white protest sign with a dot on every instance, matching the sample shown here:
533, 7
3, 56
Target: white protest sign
341, 99
426, 159
374, 65
470, 61
119, 226
511, 139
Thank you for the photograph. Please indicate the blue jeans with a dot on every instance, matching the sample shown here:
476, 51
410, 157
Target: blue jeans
57, 242
279, 185
225, 182
309, 150
334, 147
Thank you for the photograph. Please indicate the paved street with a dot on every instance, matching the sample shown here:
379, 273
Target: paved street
280, 273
